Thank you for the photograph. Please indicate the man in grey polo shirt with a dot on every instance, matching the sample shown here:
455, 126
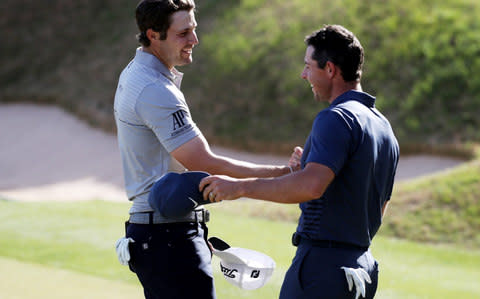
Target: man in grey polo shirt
156, 134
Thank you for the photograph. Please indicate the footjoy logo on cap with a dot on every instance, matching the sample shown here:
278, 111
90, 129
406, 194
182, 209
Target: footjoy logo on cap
230, 273
245, 268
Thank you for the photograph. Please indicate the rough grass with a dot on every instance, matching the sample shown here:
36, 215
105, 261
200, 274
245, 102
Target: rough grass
443, 208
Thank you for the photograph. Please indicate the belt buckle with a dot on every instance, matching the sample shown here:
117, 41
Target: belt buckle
205, 215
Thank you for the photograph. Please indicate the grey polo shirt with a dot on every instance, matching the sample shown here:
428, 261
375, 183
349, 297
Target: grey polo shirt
152, 119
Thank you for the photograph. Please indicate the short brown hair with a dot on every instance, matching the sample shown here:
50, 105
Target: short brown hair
340, 46
156, 14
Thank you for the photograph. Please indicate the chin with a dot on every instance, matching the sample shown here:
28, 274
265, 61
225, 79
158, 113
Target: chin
186, 61
319, 98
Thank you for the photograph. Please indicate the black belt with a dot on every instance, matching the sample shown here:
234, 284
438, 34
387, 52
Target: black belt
298, 239
155, 217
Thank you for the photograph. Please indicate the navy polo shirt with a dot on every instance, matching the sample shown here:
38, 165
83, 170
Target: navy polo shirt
357, 143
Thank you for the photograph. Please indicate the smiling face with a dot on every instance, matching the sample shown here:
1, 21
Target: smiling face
319, 78
176, 49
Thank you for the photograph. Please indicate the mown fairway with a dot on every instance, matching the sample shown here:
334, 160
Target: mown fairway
65, 250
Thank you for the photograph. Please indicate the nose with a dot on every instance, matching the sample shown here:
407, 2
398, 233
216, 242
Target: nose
194, 38
304, 74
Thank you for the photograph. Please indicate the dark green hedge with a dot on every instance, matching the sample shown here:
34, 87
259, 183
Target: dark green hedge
244, 88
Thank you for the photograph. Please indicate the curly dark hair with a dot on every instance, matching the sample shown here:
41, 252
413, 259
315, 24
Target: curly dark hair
156, 14
340, 46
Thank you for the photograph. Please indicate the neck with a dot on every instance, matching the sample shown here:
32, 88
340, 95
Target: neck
150, 50
343, 88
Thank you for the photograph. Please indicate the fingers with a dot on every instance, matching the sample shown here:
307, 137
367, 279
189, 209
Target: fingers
204, 182
348, 277
209, 194
359, 285
364, 275
213, 196
295, 158
298, 151
207, 187
218, 188
122, 249
357, 277
204, 188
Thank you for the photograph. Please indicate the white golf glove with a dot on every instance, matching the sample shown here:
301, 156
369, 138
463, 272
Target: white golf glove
358, 277
121, 247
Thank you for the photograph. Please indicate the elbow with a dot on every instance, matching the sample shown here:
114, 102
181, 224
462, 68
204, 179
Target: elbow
315, 190
315, 178
308, 194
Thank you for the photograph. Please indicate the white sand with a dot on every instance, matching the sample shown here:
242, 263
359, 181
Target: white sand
48, 154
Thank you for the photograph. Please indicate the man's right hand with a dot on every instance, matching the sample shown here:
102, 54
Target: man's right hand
358, 278
295, 158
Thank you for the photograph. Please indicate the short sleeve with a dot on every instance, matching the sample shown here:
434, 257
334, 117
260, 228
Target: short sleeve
166, 113
331, 140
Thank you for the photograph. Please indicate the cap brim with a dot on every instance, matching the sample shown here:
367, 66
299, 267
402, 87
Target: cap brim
245, 268
240, 256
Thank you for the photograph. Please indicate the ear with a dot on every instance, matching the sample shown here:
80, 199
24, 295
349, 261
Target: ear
331, 69
152, 35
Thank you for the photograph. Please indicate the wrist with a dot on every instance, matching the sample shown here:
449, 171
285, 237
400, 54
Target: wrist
241, 188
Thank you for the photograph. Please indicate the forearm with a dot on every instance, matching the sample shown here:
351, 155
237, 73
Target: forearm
307, 184
196, 155
280, 190
241, 169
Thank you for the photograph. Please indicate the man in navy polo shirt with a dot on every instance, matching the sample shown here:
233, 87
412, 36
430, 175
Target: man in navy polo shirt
346, 178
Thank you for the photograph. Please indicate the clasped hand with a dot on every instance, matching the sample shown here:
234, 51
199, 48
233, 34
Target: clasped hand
295, 158
219, 187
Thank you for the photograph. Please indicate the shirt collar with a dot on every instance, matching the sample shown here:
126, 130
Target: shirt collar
153, 62
362, 97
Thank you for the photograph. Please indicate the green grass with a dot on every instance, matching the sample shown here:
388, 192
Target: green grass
442, 208
415, 270
24, 280
63, 246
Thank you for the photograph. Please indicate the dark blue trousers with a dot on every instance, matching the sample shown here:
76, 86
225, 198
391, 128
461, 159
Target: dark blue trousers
316, 273
172, 260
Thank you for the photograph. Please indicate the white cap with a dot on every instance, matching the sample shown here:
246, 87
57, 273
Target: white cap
245, 268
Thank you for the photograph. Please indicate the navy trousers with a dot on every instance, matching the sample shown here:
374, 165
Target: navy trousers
172, 260
316, 273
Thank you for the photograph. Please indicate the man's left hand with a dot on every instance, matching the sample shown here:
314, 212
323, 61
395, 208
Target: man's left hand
219, 187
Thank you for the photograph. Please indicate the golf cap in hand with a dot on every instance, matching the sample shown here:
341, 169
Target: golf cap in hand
177, 194
245, 268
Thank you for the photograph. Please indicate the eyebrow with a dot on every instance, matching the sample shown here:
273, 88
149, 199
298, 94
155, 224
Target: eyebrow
189, 28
